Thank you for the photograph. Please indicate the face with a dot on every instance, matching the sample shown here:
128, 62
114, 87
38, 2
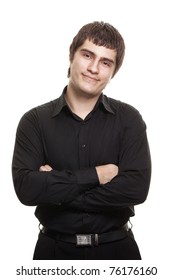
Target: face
91, 69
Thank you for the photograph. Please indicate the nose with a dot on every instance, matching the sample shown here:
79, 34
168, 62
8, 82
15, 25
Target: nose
93, 67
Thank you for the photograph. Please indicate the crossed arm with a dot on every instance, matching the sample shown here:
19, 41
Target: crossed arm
108, 185
105, 172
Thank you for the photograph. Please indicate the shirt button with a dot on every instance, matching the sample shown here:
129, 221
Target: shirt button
83, 146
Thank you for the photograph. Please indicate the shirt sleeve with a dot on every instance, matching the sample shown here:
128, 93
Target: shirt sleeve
32, 187
130, 187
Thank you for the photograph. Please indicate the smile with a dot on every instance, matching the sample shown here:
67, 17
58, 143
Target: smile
90, 78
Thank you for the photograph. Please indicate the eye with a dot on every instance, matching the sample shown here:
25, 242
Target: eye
107, 63
86, 54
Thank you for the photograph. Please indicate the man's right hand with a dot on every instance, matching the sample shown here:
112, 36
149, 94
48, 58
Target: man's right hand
45, 167
106, 173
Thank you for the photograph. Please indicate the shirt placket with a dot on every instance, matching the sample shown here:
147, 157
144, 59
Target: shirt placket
83, 146
84, 163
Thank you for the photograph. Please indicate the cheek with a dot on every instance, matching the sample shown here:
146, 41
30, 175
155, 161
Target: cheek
77, 67
106, 77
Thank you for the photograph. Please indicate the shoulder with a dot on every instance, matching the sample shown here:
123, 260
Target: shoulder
125, 113
119, 107
43, 109
39, 113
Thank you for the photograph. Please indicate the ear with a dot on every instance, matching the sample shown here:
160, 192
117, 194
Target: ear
70, 59
68, 73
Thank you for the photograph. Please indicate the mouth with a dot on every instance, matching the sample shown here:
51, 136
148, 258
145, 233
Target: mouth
90, 78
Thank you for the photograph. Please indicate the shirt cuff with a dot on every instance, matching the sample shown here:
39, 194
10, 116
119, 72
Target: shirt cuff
87, 176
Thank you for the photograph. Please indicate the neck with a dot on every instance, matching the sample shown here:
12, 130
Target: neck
80, 103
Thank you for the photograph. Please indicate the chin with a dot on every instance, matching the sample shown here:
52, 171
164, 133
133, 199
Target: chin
90, 93
89, 90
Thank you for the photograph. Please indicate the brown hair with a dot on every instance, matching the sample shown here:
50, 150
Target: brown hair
101, 34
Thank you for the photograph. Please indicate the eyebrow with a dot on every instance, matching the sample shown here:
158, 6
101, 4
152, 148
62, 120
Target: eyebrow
102, 58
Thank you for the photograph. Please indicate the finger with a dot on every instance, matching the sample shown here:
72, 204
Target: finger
48, 167
42, 168
45, 168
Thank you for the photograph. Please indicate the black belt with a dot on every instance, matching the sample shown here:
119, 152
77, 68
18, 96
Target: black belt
88, 239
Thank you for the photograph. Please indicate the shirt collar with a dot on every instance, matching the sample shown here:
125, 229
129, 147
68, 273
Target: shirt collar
61, 103
105, 101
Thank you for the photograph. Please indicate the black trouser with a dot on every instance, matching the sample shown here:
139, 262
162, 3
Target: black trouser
48, 248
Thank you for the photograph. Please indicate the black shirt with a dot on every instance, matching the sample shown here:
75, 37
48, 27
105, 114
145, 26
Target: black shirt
69, 198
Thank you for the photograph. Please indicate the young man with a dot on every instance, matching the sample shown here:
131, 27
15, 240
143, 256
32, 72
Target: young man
83, 159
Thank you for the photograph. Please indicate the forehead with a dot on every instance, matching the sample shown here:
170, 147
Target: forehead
99, 51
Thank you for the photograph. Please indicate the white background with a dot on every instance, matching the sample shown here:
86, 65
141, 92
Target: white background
35, 37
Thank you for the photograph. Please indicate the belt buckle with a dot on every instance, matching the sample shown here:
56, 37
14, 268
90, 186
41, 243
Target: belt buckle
83, 239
